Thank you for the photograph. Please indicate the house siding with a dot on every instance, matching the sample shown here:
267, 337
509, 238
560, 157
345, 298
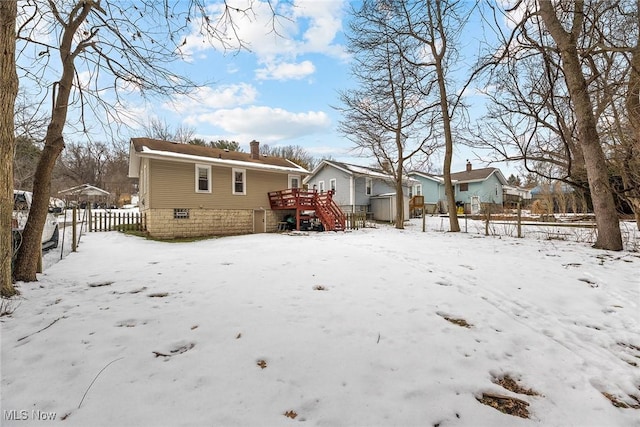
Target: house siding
174, 187
485, 190
342, 197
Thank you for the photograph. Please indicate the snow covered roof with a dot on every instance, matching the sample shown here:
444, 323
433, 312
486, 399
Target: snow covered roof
154, 148
432, 177
84, 190
358, 170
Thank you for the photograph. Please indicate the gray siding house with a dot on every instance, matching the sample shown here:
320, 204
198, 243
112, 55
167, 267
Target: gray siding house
353, 185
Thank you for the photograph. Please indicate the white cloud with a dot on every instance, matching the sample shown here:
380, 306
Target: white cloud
264, 123
206, 98
304, 27
286, 71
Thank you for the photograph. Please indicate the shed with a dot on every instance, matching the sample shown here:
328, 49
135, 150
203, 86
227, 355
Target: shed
85, 192
383, 207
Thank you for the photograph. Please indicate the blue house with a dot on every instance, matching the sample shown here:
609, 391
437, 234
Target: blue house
431, 187
477, 187
472, 188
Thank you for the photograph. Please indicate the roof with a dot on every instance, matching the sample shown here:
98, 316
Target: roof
432, 177
84, 190
355, 170
476, 175
148, 147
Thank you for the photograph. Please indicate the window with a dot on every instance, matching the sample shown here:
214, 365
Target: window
464, 186
294, 181
239, 181
181, 214
321, 186
332, 185
203, 179
368, 185
417, 190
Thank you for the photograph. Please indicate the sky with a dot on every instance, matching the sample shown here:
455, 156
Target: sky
372, 327
282, 90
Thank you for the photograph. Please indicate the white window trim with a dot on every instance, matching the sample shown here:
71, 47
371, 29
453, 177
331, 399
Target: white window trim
333, 184
291, 178
209, 180
321, 186
368, 186
233, 182
418, 190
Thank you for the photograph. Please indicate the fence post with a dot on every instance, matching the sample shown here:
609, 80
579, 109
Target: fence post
74, 221
519, 219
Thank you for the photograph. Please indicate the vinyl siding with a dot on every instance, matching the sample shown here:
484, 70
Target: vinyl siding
343, 182
173, 186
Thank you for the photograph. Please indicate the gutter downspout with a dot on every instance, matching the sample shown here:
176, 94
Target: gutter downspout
352, 193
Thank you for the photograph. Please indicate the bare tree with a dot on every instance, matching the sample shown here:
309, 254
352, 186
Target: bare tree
295, 153
387, 116
160, 129
133, 44
438, 25
562, 67
8, 94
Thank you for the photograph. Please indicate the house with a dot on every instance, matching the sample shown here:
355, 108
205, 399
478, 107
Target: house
430, 187
512, 195
353, 185
477, 187
190, 190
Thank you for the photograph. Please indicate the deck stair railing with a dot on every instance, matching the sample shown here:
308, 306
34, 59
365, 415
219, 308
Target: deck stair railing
326, 209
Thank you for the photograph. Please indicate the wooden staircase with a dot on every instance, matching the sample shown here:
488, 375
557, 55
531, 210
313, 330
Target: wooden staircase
325, 208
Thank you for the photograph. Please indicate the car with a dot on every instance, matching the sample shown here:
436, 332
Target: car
21, 207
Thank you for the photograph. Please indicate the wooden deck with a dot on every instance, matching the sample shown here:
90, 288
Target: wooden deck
301, 200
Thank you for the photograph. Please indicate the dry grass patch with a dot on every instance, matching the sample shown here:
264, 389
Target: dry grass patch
456, 321
512, 385
505, 404
291, 414
619, 403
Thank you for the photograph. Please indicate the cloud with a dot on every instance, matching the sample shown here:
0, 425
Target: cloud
264, 123
206, 98
299, 28
286, 71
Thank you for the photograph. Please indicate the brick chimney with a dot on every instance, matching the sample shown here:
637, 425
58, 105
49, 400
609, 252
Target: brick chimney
255, 149
468, 166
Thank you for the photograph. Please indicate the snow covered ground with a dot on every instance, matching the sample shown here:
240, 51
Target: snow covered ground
374, 327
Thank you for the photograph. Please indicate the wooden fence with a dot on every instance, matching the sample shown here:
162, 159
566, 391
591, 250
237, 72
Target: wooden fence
356, 220
120, 221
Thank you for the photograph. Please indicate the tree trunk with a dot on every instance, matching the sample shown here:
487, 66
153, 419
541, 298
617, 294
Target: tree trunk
607, 222
448, 153
29, 253
8, 93
632, 104
399, 198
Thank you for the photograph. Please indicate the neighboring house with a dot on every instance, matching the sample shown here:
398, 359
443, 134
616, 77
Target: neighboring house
190, 190
477, 187
353, 185
513, 195
429, 186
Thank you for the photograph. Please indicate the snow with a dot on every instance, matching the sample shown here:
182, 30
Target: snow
349, 328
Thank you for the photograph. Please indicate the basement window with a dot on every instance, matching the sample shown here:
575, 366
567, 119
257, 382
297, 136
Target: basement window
181, 213
464, 186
